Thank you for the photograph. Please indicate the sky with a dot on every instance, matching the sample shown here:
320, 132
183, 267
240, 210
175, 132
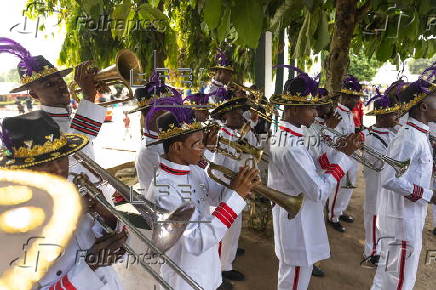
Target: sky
47, 43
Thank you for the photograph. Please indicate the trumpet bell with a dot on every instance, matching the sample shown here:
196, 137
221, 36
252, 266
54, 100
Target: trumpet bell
292, 204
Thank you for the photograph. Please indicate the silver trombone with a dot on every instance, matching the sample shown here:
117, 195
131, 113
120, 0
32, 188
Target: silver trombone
167, 227
400, 167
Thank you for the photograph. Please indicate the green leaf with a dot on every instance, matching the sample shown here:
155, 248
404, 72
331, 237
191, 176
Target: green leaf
247, 17
212, 13
147, 12
121, 11
322, 33
384, 51
308, 4
154, 3
224, 26
301, 47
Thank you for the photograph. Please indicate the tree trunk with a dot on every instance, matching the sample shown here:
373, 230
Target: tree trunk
338, 59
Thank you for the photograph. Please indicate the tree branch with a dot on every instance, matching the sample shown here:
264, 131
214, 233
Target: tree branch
363, 9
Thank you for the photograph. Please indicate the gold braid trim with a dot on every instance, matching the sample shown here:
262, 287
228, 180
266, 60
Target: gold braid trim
175, 131
387, 110
38, 75
351, 92
32, 151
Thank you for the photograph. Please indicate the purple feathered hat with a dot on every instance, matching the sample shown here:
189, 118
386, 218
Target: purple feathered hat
199, 99
172, 104
385, 103
417, 91
154, 90
300, 90
30, 68
222, 61
351, 86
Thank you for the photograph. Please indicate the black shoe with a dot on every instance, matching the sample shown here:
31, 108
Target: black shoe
370, 262
337, 226
225, 285
434, 231
233, 275
240, 252
317, 272
347, 218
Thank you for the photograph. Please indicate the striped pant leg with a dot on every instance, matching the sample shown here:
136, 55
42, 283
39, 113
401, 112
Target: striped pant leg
293, 277
371, 235
400, 264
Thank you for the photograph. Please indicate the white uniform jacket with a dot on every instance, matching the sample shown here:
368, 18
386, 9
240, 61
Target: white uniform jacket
346, 125
147, 160
196, 252
302, 241
212, 87
378, 139
71, 271
403, 201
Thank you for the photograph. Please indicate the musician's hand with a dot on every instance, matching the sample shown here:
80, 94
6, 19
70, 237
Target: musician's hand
333, 120
106, 250
254, 116
210, 138
246, 179
84, 76
349, 144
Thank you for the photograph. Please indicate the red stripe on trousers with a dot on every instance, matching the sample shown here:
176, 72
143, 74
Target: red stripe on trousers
296, 277
219, 248
402, 262
374, 241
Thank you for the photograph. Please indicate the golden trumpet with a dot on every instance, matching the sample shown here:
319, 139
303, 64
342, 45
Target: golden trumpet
292, 204
126, 62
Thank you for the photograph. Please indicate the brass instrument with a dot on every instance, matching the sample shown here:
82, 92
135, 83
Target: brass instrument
241, 147
400, 167
257, 101
119, 73
167, 226
292, 204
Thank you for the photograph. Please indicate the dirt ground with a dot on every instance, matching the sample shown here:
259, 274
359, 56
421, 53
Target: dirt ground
260, 265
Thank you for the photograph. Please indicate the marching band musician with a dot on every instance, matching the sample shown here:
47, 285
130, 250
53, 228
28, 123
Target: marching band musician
179, 180
230, 113
349, 97
34, 141
386, 109
223, 76
147, 157
302, 241
403, 200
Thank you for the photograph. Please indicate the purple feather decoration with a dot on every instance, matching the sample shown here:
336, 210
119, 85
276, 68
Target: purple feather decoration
352, 83
10, 46
310, 84
173, 105
5, 138
221, 94
381, 100
322, 92
431, 70
198, 99
397, 86
222, 59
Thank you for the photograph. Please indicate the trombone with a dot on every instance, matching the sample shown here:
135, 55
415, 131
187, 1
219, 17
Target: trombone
167, 227
400, 167
241, 147
292, 204
126, 63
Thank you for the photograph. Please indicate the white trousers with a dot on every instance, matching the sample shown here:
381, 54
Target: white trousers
293, 277
340, 198
397, 266
372, 235
229, 244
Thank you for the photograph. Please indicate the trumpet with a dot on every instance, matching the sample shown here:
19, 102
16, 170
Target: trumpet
292, 204
126, 64
167, 226
241, 147
400, 167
